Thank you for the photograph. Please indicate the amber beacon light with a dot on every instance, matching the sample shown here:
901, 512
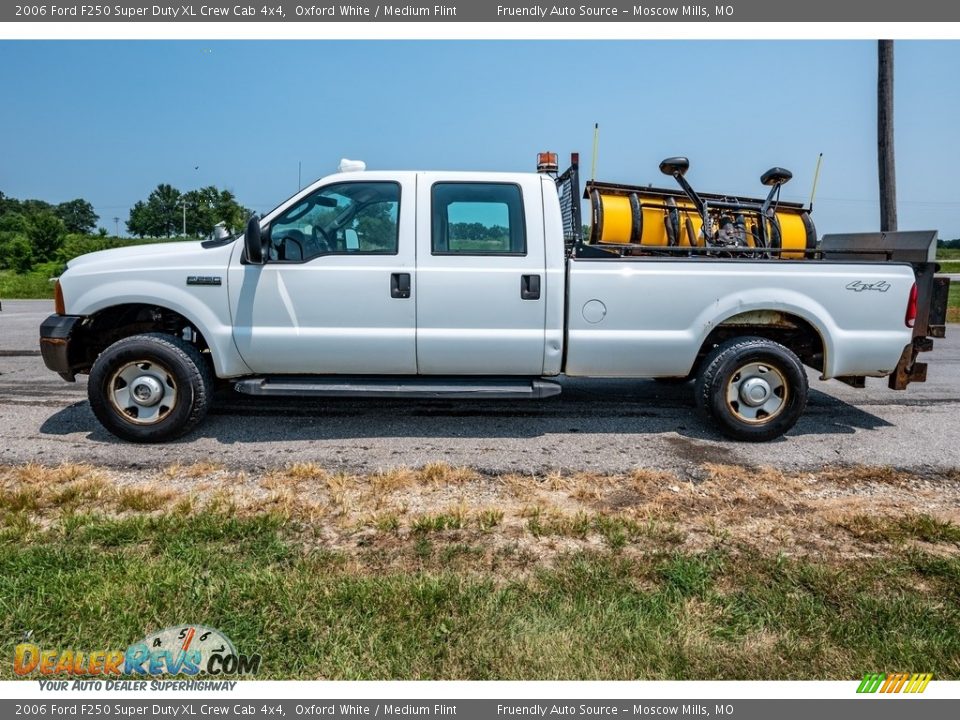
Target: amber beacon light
547, 163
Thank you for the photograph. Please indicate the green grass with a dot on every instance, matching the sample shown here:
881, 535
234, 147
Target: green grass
92, 582
953, 303
33, 285
949, 259
615, 531
37, 285
907, 527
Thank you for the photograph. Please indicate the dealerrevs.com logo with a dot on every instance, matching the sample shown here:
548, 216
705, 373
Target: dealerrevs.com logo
178, 650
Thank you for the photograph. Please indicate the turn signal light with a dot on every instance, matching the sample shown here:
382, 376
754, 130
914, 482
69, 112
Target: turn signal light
58, 305
911, 317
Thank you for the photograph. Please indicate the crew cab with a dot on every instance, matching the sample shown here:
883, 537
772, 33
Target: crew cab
479, 285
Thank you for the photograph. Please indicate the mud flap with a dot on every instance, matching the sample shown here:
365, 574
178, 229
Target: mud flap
908, 369
932, 324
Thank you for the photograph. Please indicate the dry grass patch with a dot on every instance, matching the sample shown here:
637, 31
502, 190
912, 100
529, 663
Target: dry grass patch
859, 475
842, 512
439, 473
142, 499
388, 481
194, 471
304, 472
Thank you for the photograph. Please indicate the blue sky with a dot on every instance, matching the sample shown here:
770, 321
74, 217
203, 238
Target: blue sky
110, 120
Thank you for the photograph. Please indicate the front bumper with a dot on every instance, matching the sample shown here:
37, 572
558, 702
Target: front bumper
55, 335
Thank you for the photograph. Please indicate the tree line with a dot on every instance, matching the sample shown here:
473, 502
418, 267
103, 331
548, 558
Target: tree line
167, 212
478, 231
33, 232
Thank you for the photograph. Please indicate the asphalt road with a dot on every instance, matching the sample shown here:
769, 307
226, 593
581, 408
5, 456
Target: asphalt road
609, 426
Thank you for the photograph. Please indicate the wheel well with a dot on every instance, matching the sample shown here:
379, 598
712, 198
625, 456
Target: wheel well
109, 325
789, 330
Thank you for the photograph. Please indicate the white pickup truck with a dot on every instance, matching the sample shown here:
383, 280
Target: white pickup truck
477, 285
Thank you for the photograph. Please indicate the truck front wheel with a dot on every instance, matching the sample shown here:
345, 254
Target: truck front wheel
150, 388
753, 388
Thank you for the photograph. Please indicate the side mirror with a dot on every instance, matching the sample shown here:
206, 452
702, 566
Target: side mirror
253, 241
352, 239
776, 176
675, 166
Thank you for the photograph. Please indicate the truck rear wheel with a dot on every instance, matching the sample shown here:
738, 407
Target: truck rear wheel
753, 388
150, 388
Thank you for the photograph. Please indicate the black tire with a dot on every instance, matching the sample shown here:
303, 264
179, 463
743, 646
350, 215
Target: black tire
166, 366
741, 383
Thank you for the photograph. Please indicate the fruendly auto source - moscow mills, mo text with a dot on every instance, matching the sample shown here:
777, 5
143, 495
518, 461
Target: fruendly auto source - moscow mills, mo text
362, 11
544, 12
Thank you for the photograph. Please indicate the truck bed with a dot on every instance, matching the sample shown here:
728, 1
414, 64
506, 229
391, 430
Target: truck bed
650, 316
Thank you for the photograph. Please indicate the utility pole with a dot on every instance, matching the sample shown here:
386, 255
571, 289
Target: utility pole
299, 175
885, 157
116, 223
184, 203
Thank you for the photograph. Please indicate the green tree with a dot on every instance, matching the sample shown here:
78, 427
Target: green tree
8, 205
162, 214
164, 204
46, 233
230, 212
18, 254
77, 215
208, 206
75, 245
376, 226
35, 207
139, 223
13, 222
159, 216
201, 210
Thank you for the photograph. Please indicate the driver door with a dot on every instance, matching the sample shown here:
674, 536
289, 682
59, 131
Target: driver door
330, 298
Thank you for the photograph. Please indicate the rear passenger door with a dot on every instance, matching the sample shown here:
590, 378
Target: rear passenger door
480, 275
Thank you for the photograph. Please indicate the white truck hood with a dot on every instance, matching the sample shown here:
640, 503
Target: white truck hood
186, 253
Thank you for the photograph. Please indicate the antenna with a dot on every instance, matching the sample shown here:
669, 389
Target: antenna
596, 140
816, 179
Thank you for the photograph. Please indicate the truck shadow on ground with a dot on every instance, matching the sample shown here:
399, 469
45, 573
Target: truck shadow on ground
587, 407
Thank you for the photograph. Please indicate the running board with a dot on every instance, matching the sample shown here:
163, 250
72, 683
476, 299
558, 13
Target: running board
413, 387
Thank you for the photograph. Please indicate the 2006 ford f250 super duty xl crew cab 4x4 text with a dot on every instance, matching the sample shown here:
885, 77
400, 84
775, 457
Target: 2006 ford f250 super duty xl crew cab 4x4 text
481, 285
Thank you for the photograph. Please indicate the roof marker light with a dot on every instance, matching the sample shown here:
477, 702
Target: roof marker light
351, 166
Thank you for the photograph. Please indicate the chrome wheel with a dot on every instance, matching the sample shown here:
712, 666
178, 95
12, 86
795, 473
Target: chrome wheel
756, 393
144, 392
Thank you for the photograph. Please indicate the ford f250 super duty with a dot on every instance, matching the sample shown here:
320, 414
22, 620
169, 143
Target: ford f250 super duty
480, 285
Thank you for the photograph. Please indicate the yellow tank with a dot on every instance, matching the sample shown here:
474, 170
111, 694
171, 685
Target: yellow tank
657, 218
623, 219
795, 232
